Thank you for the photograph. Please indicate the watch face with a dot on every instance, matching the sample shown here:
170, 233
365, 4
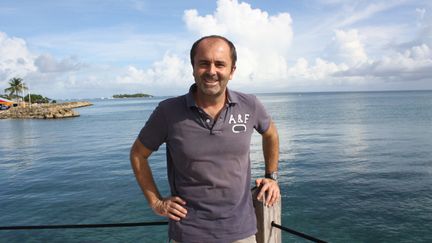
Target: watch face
273, 176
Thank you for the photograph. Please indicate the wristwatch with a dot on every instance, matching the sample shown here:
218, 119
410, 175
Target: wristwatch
273, 175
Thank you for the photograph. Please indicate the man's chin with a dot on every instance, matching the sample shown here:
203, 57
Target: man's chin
212, 91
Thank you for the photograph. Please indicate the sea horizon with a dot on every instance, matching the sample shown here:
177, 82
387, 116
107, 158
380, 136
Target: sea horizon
254, 93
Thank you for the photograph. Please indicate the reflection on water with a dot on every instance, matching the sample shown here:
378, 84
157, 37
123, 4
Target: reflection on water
23, 137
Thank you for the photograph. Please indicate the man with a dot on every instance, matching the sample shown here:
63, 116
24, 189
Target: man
207, 134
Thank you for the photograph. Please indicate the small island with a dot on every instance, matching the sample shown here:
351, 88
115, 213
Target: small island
137, 95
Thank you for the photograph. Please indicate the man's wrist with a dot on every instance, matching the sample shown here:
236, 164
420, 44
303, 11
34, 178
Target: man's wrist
272, 175
156, 202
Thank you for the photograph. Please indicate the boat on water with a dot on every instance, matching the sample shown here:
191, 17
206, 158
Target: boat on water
6, 104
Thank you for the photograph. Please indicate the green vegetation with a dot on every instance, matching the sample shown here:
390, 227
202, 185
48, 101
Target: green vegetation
36, 98
16, 86
138, 95
16, 90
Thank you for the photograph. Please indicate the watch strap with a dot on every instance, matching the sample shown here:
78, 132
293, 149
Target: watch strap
273, 175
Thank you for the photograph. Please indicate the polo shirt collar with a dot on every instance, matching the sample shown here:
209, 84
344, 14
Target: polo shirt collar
190, 101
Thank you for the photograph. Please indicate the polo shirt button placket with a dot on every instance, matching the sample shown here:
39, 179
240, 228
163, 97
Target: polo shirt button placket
208, 122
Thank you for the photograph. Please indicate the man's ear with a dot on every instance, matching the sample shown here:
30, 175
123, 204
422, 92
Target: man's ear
193, 70
232, 71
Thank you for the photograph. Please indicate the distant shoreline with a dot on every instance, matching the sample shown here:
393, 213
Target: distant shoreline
138, 95
44, 111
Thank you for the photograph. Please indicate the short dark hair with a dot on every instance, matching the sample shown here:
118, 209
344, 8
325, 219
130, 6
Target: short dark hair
233, 52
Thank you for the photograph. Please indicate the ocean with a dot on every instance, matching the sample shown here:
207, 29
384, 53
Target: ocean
354, 167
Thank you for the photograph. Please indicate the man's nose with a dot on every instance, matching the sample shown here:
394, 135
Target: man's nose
212, 68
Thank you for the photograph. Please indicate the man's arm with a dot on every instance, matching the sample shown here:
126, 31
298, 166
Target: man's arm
270, 187
171, 207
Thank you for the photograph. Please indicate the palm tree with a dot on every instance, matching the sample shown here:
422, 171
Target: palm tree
16, 86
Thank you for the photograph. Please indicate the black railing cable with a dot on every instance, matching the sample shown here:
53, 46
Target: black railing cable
294, 232
75, 226
155, 223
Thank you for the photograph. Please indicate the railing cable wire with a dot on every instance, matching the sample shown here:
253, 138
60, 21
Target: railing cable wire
300, 234
75, 226
155, 223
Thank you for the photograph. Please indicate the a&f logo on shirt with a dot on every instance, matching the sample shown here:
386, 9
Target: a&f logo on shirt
239, 122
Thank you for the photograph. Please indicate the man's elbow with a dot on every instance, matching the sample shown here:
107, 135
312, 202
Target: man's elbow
134, 152
139, 152
271, 132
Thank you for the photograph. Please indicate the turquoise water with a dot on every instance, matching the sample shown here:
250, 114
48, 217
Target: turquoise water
355, 167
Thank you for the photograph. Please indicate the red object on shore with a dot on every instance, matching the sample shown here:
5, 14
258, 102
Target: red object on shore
6, 102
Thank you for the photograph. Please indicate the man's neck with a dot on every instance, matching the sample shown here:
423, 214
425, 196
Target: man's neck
211, 105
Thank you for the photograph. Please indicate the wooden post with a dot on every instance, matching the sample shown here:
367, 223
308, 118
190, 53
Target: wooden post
265, 215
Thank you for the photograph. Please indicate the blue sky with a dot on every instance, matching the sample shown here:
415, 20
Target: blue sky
86, 49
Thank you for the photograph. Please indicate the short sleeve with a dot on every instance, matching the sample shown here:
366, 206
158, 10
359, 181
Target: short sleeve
262, 119
154, 132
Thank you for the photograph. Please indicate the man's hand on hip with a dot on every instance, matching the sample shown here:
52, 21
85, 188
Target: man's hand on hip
171, 207
270, 192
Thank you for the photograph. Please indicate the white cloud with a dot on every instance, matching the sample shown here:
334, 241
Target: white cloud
321, 69
411, 65
355, 15
170, 73
262, 40
114, 45
354, 67
247, 26
425, 35
420, 13
42, 73
377, 39
350, 48
422, 52
47, 63
15, 58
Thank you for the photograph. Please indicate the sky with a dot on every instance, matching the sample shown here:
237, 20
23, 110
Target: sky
93, 48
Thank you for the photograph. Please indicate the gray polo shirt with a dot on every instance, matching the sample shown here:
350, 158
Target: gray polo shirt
208, 164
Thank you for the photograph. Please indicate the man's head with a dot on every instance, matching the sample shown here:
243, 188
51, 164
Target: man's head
233, 52
213, 61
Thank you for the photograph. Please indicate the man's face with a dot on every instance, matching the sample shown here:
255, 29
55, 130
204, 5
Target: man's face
212, 68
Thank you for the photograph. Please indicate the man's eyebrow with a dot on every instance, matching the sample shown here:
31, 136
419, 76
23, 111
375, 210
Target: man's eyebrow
206, 61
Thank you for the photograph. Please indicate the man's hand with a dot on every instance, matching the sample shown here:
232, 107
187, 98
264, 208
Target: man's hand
171, 207
270, 192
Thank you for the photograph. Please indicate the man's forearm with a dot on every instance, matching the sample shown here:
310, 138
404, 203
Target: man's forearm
171, 207
270, 191
270, 143
144, 178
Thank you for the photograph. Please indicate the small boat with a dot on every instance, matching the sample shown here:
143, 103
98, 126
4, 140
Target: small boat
6, 104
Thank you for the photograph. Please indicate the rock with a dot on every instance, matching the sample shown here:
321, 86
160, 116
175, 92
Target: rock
44, 111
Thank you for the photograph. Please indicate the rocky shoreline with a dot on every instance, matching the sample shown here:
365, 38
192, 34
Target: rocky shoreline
44, 111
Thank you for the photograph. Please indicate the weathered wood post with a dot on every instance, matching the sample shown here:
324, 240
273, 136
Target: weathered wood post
265, 215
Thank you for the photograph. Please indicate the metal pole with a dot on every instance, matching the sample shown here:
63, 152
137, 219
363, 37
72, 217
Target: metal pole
21, 99
28, 86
